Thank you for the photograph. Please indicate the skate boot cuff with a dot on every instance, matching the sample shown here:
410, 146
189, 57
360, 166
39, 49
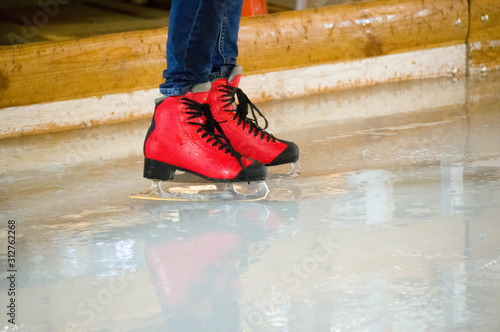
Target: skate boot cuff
202, 87
237, 70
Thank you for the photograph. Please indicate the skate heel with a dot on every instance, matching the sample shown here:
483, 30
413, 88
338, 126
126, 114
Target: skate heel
157, 170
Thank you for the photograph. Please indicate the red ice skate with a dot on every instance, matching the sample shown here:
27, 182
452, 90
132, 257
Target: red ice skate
182, 137
245, 134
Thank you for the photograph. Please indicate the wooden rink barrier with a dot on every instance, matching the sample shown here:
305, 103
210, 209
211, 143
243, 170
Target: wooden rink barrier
484, 36
54, 86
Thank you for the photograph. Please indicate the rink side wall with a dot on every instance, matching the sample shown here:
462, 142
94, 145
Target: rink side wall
56, 86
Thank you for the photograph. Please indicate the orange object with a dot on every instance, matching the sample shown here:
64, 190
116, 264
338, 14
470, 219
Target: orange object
254, 7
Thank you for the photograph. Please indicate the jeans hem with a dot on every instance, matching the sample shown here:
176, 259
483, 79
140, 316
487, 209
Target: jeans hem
223, 72
175, 91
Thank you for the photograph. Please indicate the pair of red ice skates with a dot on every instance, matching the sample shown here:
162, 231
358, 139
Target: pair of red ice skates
205, 133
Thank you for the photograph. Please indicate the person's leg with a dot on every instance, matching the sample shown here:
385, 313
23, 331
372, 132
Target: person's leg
182, 135
192, 37
226, 51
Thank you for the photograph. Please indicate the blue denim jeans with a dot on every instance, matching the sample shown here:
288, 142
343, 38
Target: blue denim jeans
202, 43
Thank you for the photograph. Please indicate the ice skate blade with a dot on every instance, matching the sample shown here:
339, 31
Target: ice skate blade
294, 173
181, 192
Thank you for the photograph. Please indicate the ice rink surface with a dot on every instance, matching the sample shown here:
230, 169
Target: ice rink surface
395, 224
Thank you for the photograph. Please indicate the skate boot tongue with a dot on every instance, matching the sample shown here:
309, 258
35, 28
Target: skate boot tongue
241, 110
235, 76
197, 98
212, 125
199, 92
